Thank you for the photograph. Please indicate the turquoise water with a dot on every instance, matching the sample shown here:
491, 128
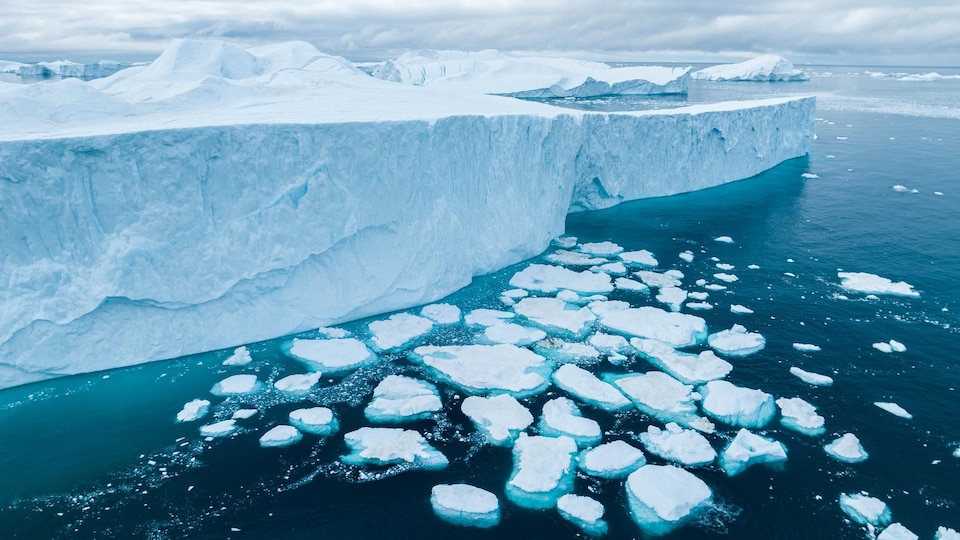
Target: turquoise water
100, 456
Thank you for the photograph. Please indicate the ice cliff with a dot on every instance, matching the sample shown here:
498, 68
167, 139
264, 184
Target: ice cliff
221, 196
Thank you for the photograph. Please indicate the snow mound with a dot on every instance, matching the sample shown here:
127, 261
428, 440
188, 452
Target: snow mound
766, 68
499, 418
494, 369
663, 497
402, 399
463, 504
615, 459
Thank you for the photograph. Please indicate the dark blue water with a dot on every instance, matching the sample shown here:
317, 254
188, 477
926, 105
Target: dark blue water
100, 456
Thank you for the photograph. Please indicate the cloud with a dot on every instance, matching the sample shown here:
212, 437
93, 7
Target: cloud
816, 29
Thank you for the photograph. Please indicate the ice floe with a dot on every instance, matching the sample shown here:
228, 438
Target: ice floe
556, 316
806, 347
243, 414
639, 258
478, 369
946, 533
676, 329
615, 459
800, 416
574, 258
442, 313
865, 283
223, 428
193, 410
683, 446
686, 256
601, 249
559, 351
463, 504
315, 420
488, 317
562, 417
627, 284
298, 383
663, 397
584, 512
736, 342
890, 346
747, 449
548, 279
674, 297
237, 385
663, 497
280, 436
700, 306
810, 377
389, 446
514, 334
499, 418
893, 409
610, 343
726, 278
740, 310
896, 531
402, 399
864, 509
904, 189
688, 368
670, 278
543, 470
736, 405
330, 356
846, 448
586, 387
240, 357
398, 331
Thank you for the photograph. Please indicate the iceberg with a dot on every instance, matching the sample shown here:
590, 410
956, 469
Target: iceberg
330, 356
586, 387
562, 417
747, 449
664, 497
946, 533
463, 504
390, 446
766, 68
800, 416
223, 428
810, 377
499, 418
543, 470
280, 436
194, 410
737, 406
806, 347
865, 510
240, 357
687, 368
492, 369
402, 399
304, 193
683, 446
315, 420
615, 459
584, 512
847, 449
63, 69
865, 283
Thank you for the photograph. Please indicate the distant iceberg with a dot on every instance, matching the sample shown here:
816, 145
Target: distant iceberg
766, 68
63, 69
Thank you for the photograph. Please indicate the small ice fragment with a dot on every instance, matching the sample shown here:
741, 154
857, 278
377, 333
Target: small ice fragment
627, 284
683, 446
699, 306
639, 258
740, 310
839, 138
670, 278
548, 279
883, 347
280, 436
946, 533
298, 384
687, 256
865, 283
904, 189
584, 512
556, 316
499, 418
663, 497
938, 193
193, 410
398, 331
864, 509
243, 414
736, 341
487, 368
894, 409
601, 249
896, 531
445, 313
700, 295
389, 446
810, 377
726, 278
614, 269
330, 356
332, 333
747, 449
810, 176
402, 399
799, 415
725, 267
723, 239
585, 386
543, 470
513, 334
487, 317
240, 357
846, 448
316, 420
566, 242
715, 287
562, 417
753, 267
219, 429
896, 346
806, 347
237, 385
736, 405
615, 459
573, 258
463, 504
559, 351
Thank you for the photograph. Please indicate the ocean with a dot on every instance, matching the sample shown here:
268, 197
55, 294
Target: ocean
101, 455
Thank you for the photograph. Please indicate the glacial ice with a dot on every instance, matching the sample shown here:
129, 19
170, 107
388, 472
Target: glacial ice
562, 417
298, 383
584, 512
304, 193
615, 459
389, 446
224, 428
800, 416
586, 387
513, 334
946, 533
315, 420
810, 377
846, 448
864, 509
240, 357
63, 68
736, 341
766, 68
398, 331
402, 399
747, 449
330, 356
463, 504
236, 385
896, 531
487, 369
663, 497
499, 418
548, 279
556, 316
543, 470
194, 410
688, 368
280, 436
675, 329
683, 446
865, 283
894, 409
441, 313
663, 397
737, 406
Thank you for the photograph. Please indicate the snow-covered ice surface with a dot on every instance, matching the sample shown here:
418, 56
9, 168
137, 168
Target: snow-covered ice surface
402, 399
494, 369
556, 316
284, 214
747, 449
298, 383
224, 428
463, 504
330, 356
588, 388
686, 367
800, 416
736, 405
737, 341
846, 448
194, 410
865, 283
896, 531
543, 470
663, 497
893, 409
865, 510
548, 279
663, 397
615, 459
280, 436
500, 418
676, 329
398, 331
683, 446
235, 385
810, 377
584, 512
562, 417
386, 446
315, 420
766, 68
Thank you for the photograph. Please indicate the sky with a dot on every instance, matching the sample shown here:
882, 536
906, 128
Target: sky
858, 32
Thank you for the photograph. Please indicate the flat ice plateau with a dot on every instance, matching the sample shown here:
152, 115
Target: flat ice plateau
221, 196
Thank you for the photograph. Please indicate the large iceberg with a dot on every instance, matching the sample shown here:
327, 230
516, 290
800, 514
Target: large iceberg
63, 68
766, 68
221, 196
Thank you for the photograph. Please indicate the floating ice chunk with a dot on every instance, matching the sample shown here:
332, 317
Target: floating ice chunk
224, 428
548, 279
555, 315
316, 420
725, 267
889, 347
747, 449
487, 368
193, 410
627, 284
674, 297
688, 368
561, 416
687, 256
463, 504
574, 298
240, 357
676, 329
402, 399
810, 377
612, 268
585, 386
566, 242
237, 385
847, 449
333, 333
726, 278
737, 406
614, 459
243, 414
398, 331
753, 267
443, 313
945, 533
512, 333
573, 258
740, 310
800, 416
684, 446
601, 249
609, 343
389, 446
488, 317
516, 294
896, 346
280, 436
299, 383
583, 512
806, 347
894, 409
723, 239
810, 176
543, 470
639, 258
715, 287
669, 278
330, 356
736, 341
663, 497
699, 295
661, 396
499, 418
897, 531
904, 189
864, 509
865, 283
700, 306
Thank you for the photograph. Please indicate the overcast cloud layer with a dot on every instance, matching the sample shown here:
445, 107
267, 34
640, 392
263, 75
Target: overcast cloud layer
920, 32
